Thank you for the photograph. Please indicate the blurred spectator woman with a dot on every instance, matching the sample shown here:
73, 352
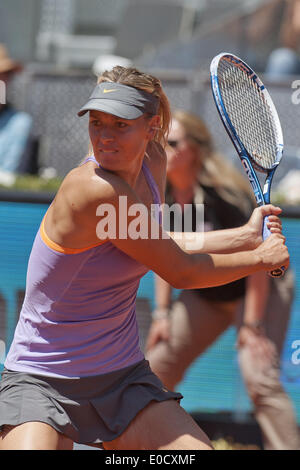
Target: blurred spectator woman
259, 305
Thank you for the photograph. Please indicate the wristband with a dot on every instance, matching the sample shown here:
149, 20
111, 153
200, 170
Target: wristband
255, 325
160, 313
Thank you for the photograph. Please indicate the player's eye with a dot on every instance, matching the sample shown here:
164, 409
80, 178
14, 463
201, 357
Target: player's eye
121, 124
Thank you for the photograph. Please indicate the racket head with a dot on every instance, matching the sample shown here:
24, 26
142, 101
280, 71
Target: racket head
247, 111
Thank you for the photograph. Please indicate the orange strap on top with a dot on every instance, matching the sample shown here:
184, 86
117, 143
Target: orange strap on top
61, 249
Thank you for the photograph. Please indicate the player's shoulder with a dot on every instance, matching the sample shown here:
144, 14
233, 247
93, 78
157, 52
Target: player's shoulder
88, 185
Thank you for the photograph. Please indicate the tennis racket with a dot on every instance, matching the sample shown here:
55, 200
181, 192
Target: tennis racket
251, 121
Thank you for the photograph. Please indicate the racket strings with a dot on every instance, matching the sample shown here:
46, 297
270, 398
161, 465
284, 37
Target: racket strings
249, 113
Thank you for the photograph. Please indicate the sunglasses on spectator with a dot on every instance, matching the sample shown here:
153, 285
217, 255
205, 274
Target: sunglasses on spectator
174, 143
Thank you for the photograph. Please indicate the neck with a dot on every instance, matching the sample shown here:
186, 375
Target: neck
183, 186
183, 196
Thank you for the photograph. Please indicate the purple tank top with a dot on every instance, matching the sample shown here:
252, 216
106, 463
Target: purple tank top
78, 317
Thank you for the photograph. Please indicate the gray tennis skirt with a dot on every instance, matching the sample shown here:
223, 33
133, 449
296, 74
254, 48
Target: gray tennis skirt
88, 410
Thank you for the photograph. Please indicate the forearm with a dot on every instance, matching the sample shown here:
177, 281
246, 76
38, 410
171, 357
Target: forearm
218, 241
257, 293
208, 270
163, 291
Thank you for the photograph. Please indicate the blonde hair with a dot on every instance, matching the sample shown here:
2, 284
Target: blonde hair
131, 76
216, 170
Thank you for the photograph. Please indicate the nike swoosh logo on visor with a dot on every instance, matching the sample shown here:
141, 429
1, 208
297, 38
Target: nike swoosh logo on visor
109, 90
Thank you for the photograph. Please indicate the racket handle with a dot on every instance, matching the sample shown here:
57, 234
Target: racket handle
266, 233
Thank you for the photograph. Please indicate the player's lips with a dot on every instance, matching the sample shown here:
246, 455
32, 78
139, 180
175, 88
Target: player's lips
102, 150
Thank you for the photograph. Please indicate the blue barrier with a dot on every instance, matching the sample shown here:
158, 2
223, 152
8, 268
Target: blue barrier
213, 382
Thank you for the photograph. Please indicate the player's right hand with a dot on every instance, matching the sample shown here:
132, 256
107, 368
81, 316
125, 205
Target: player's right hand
273, 252
256, 221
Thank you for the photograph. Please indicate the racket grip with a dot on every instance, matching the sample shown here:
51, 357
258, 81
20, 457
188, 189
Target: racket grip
266, 233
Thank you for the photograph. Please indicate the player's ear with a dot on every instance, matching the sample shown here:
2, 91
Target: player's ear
153, 126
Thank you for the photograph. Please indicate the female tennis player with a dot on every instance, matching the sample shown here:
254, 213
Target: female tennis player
75, 371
